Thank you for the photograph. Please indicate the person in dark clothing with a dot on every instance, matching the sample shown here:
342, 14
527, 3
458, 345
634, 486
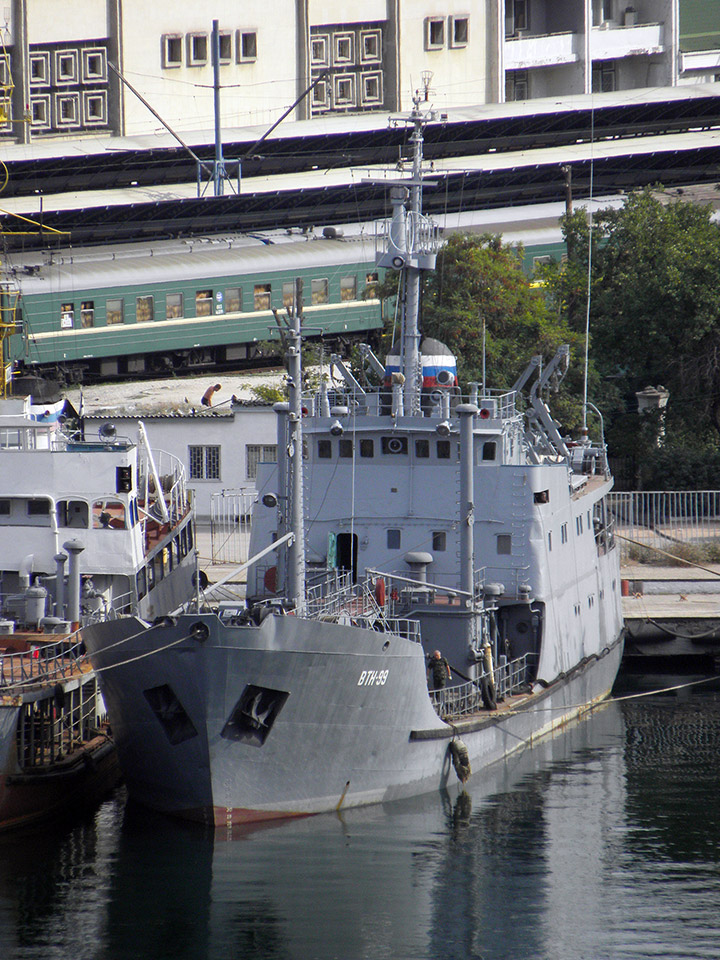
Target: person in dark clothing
438, 671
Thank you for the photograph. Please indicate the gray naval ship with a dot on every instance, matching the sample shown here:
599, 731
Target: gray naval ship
398, 521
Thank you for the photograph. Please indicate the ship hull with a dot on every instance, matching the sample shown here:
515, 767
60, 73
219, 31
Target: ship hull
234, 724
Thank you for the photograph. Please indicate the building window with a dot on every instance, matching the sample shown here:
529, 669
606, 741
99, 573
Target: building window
256, 453
504, 543
173, 306
67, 110
344, 89
246, 46
343, 49
203, 303
393, 539
319, 47
550, 541
172, 50
94, 107
233, 300
261, 293
320, 95
439, 541
94, 64
372, 89
87, 313
517, 86
563, 533
225, 47
197, 49
67, 315
603, 76
144, 309
458, 31
114, 312
66, 66
40, 111
204, 463
370, 46
348, 288
319, 291
434, 33
367, 448
39, 69
324, 449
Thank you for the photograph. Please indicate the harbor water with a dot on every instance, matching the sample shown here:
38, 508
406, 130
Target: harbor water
600, 843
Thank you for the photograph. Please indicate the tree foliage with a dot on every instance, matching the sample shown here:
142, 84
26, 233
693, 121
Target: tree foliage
654, 310
480, 279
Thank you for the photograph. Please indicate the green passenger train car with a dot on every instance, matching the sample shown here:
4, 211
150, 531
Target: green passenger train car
145, 308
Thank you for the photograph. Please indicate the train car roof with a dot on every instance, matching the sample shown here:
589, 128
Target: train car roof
175, 261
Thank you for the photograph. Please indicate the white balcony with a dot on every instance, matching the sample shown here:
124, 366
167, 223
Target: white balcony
700, 60
549, 50
611, 42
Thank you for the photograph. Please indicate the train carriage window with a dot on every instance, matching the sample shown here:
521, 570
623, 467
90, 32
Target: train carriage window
144, 312
87, 313
319, 291
288, 294
114, 311
203, 303
371, 282
262, 293
233, 300
67, 316
173, 306
348, 288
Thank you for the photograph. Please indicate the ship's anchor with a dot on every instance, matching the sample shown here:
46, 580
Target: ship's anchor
460, 759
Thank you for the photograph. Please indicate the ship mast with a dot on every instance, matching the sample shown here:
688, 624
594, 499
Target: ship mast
410, 246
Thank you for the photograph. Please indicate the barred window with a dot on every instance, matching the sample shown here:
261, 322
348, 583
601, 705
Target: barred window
256, 453
204, 463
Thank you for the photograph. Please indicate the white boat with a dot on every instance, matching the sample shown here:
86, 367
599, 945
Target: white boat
91, 527
482, 532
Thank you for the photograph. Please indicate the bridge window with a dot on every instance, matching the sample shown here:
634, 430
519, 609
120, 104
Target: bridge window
173, 306
233, 300
203, 303
504, 543
541, 496
38, 508
87, 313
262, 293
114, 312
443, 449
345, 448
324, 449
72, 513
393, 539
422, 449
108, 515
348, 288
144, 309
367, 448
439, 541
489, 450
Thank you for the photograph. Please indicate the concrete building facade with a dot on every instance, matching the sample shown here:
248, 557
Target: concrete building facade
63, 58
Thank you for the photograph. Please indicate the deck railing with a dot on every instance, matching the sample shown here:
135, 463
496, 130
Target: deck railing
466, 698
44, 662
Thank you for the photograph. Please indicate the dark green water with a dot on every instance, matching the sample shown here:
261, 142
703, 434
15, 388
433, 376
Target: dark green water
601, 843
